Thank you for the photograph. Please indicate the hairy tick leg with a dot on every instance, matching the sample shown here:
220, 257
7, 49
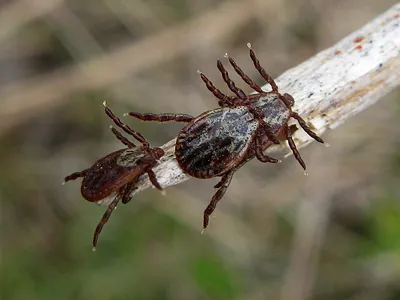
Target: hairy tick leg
224, 100
264, 127
104, 220
261, 156
126, 191
232, 86
293, 147
271, 136
75, 175
261, 70
223, 186
121, 138
153, 179
165, 117
245, 78
307, 129
126, 128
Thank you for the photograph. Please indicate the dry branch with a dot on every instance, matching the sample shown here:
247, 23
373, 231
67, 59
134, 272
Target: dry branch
330, 87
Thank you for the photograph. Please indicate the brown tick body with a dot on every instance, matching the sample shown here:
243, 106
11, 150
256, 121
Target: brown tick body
117, 173
218, 142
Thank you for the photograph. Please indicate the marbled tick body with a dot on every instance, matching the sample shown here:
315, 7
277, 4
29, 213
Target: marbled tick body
220, 141
118, 172
214, 142
114, 171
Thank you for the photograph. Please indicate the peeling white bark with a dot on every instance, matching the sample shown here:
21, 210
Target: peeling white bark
330, 87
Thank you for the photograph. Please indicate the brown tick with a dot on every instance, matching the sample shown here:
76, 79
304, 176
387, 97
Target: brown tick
218, 142
117, 173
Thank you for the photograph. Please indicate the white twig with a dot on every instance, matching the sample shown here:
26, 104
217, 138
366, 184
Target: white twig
330, 87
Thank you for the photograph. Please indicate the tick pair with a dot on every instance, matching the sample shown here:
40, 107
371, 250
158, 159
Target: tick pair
214, 144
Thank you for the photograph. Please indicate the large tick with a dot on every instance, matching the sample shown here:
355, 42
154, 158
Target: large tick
220, 141
117, 173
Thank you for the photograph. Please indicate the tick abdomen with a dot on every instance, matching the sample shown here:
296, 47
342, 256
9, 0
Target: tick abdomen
110, 173
215, 141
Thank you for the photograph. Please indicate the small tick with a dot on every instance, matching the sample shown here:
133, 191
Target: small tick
220, 141
117, 172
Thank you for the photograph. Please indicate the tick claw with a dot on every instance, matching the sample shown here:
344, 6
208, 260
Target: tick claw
62, 183
94, 249
202, 232
327, 145
248, 45
163, 192
125, 114
305, 173
105, 103
199, 72
226, 55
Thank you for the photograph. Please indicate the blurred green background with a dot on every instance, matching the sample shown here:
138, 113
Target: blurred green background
276, 234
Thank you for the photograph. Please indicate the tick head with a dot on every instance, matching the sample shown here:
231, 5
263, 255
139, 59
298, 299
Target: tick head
288, 99
157, 153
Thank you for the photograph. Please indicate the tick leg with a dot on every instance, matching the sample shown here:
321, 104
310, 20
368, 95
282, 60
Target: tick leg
261, 70
245, 78
224, 100
222, 187
266, 129
232, 86
261, 156
125, 192
123, 139
292, 146
104, 220
271, 136
185, 118
307, 129
75, 175
125, 127
259, 115
153, 179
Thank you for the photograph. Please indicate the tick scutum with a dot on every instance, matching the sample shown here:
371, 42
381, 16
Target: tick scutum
276, 113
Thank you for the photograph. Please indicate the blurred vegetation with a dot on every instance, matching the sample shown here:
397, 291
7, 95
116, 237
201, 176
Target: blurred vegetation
152, 248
